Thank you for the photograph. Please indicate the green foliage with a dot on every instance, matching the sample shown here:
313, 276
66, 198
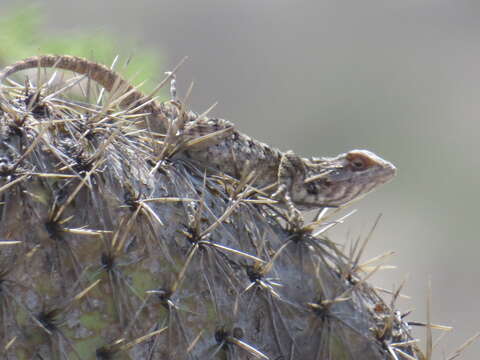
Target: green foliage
22, 35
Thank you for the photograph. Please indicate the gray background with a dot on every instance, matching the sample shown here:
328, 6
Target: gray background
401, 78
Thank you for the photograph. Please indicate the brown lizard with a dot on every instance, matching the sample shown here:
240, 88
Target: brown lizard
301, 183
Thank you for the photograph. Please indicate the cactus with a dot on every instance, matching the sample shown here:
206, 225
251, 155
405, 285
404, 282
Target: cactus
110, 251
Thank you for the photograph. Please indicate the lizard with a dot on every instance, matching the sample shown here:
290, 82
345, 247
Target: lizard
300, 183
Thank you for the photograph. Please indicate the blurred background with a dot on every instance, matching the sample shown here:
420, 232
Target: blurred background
401, 78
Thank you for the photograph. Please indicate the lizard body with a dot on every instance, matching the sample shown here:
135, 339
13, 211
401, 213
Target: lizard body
308, 183
303, 183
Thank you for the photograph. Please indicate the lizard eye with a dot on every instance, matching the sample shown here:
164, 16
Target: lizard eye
357, 162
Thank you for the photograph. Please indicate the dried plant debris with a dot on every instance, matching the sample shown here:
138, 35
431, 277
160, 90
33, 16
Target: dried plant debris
116, 246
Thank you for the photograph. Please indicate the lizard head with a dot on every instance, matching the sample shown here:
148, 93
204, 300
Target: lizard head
335, 181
